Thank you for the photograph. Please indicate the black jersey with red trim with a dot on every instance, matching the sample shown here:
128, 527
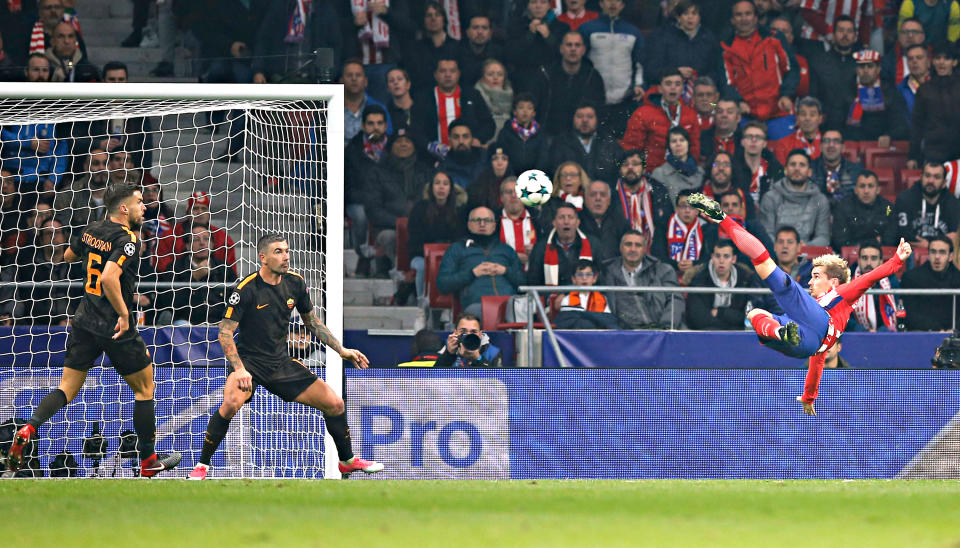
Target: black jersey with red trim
263, 312
101, 242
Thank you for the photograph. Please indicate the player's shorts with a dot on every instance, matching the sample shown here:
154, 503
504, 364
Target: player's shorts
127, 355
811, 318
287, 378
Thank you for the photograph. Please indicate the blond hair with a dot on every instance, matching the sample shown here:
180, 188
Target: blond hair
834, 267
584, 178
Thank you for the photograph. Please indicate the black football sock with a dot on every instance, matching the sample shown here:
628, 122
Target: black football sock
145, 423
216, 431
52, 402
340, 432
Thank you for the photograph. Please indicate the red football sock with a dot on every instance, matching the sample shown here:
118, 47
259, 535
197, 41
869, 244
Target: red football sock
745, 242
765, 326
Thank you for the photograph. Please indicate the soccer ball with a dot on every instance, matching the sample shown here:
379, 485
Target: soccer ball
534, 187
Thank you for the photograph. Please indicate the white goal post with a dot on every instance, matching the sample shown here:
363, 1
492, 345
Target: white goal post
264, 158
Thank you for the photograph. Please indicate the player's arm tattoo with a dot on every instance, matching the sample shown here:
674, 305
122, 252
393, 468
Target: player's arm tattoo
320, 331
227, 327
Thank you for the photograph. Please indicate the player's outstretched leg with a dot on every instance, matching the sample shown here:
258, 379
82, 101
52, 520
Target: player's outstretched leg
70, 382
768, 327
233, 400
145, 425
745, 242
320, 396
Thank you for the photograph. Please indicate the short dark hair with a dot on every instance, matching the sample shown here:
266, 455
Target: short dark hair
788, 228
722, 195
565, 205
642, 153
584, 264
684, 193
734, 5
264, 242
668, 72
371, 110
915, 46
725, 242
633, 232
468, 316
116, 194
721, 152
114, 65
677, 130
945, 49
798, 152
524, 96
445, 58
457, 122
756, 124
870, 244
940, 238
842, 18
911, 20
682, 6
868, 173
934, 163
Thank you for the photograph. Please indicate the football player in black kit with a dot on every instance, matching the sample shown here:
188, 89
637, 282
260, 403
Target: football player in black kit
260, 306
104, 322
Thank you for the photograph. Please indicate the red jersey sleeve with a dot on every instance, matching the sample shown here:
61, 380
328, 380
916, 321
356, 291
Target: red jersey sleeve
855, 289
811, 385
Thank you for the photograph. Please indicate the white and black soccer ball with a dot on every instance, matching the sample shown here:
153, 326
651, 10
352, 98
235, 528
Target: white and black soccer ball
534, 187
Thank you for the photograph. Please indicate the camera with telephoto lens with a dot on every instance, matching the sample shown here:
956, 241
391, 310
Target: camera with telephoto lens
469, 341
947, 355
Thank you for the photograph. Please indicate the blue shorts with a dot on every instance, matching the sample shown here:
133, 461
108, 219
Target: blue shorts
799, 307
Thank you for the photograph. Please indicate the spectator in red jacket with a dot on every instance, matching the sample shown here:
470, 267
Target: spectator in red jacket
222, 245
783, 25
759, 68
576, 14
807, 134
648, 126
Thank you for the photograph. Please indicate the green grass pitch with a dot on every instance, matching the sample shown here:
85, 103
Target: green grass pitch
480, 513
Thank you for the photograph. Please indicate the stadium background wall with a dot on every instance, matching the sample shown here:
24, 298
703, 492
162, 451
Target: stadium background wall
545, 423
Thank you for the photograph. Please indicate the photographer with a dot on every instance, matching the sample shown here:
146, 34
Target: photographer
468, 346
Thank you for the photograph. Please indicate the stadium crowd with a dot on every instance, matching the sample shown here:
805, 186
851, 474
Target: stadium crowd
820, 130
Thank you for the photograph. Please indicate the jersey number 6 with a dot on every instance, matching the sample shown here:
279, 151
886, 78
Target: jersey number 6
94, 264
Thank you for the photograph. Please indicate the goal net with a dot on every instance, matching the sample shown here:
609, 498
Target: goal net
219, 166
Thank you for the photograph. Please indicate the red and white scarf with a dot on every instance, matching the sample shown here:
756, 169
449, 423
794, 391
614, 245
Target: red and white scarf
865, 309
755, 178
374, 36
520, 234
38, 42
573, 199
637, 207
595, 302
297, 26
374, 150
551, 257
812, 148
448, 110
953, 177
525, 133
705, 122
684, 241
868, 99
452, 10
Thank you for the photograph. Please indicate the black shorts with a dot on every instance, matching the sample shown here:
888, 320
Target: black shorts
287, 378
127, 355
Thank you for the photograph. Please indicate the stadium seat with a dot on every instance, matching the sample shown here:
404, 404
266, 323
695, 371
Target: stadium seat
812, 251
850, 253
403, 237
432, 255
901, 146
908, 177
879, 158
888, 251
920, 256
494, 309
851, 151
887, 179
